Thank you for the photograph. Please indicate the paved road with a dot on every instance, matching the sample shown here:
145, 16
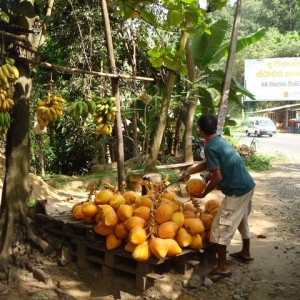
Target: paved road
282, 144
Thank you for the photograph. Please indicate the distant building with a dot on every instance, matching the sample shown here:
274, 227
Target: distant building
285, 117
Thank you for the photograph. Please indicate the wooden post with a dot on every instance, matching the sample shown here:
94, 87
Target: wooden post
229, 66
115, 93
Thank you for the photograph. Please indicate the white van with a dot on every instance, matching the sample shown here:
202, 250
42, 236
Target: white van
259, 126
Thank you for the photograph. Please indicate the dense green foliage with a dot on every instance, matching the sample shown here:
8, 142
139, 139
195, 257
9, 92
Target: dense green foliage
145, 39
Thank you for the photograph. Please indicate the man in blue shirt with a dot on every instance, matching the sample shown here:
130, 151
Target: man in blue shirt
226, 171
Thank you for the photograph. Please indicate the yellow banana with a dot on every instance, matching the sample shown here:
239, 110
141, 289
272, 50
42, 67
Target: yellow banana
48, 114
109, 116
42, 124
42, 109
56, 107
58, 99
10, 70
100, 128
10, 102
41, 102
16, 72
99, 107
5, 70
58, 110
53, 113
99, 120
110, 129
3, 77
2, 96
59, 113
4, 106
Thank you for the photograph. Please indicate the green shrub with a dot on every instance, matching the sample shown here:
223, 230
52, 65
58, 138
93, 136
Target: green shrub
258, 162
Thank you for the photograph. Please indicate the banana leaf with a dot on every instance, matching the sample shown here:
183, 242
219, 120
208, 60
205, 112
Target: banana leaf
241, 44
208, 48
205, 45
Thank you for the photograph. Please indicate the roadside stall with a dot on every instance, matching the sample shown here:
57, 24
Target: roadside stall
143, 236
294, 125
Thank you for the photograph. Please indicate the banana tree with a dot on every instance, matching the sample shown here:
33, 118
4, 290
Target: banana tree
207, 49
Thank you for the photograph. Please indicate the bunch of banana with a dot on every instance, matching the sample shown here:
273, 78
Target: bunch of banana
104, 129
49, 109
104, 115
80, 109
4, 122
6, 101
8, 75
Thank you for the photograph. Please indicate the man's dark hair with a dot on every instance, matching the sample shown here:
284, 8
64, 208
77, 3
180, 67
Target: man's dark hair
208, 124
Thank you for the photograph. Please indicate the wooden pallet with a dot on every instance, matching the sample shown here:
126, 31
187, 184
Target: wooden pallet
66, 226
89, 247
119, 260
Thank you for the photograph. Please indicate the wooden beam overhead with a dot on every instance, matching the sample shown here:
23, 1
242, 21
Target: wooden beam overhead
63, 69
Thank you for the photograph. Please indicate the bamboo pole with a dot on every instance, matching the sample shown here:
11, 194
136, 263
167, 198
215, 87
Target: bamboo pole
21, 38
229, 67
116, 94
63, 69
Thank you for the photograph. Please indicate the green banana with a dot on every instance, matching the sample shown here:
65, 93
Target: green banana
80, 107
1, 119
92, 106
85, 108
7, 119
74, 110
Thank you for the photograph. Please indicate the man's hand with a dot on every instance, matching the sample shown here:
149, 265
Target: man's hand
198, 195
185, 176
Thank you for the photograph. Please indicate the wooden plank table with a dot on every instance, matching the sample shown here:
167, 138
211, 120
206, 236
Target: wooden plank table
90, 248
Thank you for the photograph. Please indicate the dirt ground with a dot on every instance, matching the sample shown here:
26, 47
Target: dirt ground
274, 273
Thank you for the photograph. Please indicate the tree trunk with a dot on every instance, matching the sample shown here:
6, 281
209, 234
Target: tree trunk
16, 190
156, 143
189, 121
41, 154
130, 48
177, 136
115, 93
134, 116
16, 181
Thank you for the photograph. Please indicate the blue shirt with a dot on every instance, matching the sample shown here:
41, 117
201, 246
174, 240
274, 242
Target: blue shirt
236, 180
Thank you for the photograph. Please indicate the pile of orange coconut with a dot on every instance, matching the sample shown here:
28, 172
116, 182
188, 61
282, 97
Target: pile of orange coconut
155, 224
